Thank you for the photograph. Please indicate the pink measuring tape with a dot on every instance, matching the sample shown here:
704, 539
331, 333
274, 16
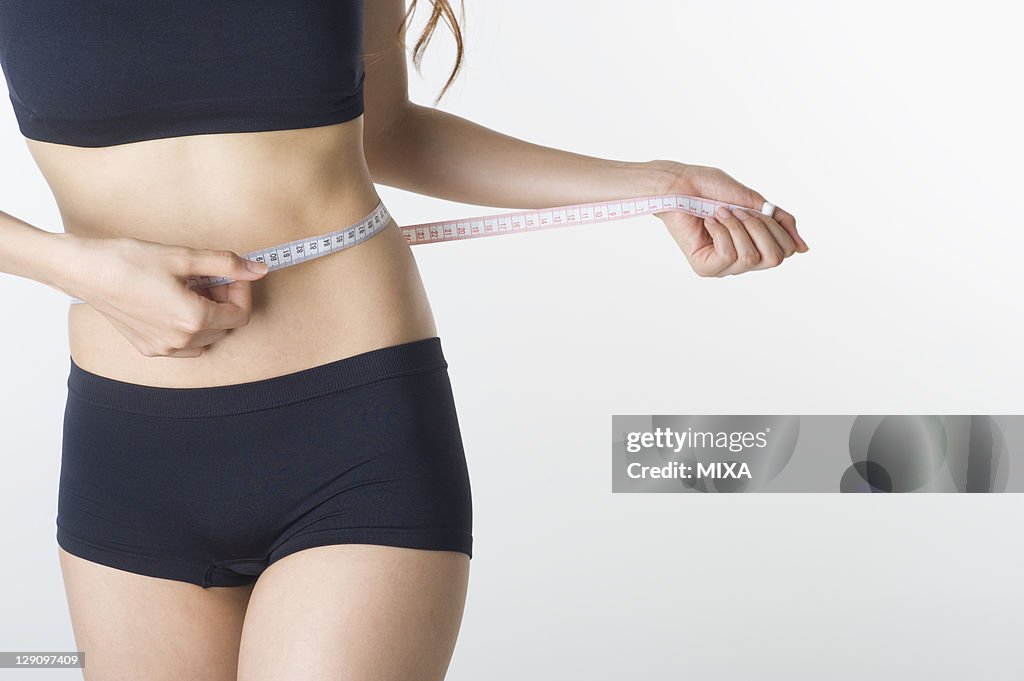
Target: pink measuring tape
302, 250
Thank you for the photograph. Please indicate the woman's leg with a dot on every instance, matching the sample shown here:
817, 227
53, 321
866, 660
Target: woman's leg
355, 612
132, 627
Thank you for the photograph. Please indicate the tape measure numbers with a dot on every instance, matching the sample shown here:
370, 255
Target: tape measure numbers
310, 248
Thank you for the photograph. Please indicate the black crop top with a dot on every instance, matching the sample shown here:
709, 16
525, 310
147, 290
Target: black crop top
95, 73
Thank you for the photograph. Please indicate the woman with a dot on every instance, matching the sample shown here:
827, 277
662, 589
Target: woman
266, 478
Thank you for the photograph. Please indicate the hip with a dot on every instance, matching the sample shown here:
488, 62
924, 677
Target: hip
211, 485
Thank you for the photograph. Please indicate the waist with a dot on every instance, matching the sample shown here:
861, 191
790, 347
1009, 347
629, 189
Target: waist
244, 192
353, 301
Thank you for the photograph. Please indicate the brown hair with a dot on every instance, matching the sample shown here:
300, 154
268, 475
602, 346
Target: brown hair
442, 10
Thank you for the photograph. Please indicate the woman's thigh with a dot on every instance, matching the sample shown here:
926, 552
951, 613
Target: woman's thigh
355, 612
132, 627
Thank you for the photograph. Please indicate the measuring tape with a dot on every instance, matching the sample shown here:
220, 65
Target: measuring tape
310, 248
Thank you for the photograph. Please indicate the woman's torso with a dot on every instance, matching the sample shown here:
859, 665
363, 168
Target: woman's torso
243, 192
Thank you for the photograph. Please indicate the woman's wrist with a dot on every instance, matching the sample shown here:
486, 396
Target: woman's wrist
655, 177
37, 254
63, 267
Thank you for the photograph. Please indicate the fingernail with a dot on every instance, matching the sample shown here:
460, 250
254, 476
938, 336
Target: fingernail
722, 212
739, 212
256, 267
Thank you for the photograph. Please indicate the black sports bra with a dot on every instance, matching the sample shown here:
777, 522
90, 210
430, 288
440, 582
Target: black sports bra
95, 73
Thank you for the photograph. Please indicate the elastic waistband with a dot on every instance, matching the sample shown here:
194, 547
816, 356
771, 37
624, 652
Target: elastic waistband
237, 398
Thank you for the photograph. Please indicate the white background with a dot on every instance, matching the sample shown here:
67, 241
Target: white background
891, 130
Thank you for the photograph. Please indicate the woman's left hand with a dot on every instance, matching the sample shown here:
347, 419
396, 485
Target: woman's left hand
728, 243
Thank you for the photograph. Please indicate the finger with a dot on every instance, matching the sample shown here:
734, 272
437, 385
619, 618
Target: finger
239, 293
771, 252
747, 255
788, 223
233, 313
218, 294
785, 219
220, 263
782, 237
724, 254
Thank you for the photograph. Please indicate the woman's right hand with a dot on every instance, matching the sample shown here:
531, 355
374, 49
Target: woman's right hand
141, 287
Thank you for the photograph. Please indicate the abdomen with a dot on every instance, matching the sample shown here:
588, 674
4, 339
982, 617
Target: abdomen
245, 192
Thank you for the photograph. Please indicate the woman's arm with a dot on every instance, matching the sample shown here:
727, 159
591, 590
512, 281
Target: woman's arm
29, 252
433, 152
427, 151
439, 154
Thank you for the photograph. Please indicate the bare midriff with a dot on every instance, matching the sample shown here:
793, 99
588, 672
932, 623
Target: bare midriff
244, 192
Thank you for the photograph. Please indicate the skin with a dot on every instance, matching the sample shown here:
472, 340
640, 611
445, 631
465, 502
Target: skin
140, 217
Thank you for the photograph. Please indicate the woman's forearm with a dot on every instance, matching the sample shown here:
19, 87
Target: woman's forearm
33, 253
436, 153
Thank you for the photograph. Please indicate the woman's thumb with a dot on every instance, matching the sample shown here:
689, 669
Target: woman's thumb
223, 263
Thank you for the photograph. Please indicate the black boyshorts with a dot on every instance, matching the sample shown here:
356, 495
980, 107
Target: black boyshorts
210, 485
